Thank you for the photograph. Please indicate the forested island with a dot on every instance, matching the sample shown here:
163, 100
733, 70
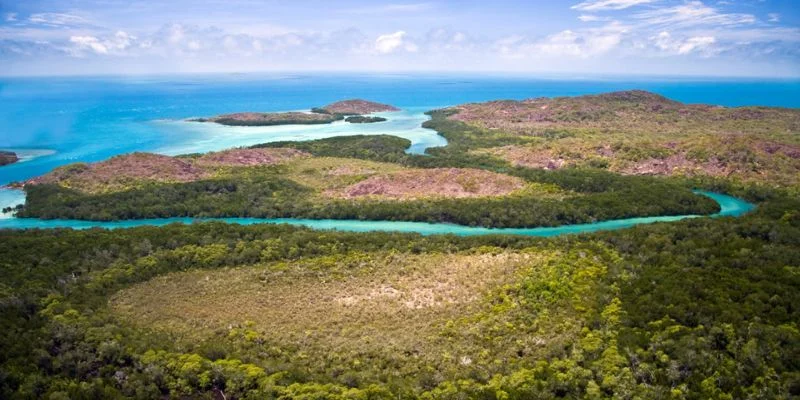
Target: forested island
360, 119
8, 157
348, 110
703, 308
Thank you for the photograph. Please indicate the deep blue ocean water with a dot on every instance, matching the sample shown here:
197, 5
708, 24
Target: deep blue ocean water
56, 121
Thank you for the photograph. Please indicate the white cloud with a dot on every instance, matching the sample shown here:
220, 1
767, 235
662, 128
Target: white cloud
89, 42
694, 43
56, 19
693, 13
116, 43
702, 44
447, 40
601, 5
390, 42
590, 18
578, 44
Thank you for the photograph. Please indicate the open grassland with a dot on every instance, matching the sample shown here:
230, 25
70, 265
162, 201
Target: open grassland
357, 303
335, 173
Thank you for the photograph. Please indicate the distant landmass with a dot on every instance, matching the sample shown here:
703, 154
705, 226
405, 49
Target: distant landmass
8, 157
350, 110
358, 107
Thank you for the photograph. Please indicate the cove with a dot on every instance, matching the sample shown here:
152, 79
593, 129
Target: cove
729, 207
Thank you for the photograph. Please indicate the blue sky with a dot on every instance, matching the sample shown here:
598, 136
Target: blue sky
655, 37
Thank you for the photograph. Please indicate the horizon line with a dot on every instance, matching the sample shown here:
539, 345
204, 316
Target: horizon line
494, 73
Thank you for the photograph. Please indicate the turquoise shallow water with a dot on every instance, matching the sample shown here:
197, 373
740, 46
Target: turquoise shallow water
729, 206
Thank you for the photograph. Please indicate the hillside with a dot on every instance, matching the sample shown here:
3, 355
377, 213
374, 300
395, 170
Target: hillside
635, 133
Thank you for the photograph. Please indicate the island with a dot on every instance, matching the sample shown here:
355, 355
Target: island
358, 107
8, 157
360, 119
270, 119
350, 110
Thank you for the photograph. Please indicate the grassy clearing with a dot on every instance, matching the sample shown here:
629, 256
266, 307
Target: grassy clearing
326, 173
359, 302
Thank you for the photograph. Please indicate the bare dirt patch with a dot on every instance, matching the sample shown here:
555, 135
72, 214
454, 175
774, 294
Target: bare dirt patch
250, 157
437, 182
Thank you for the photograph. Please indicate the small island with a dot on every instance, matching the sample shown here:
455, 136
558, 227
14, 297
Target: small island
8, 157
270, 119
352, 110
360, 119
357, 107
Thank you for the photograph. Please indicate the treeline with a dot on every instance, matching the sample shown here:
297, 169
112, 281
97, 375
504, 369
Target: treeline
269, 196
360, 119
697, 309
383, 148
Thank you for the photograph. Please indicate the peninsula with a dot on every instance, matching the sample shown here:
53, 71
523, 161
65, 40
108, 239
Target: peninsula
353, 110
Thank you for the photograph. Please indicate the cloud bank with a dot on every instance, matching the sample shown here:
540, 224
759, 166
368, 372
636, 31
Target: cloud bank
650, 36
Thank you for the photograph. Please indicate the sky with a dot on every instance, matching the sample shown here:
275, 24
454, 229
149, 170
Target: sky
758, 38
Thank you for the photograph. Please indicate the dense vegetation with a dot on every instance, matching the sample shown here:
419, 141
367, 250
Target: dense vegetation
605, 315
272, 119
368, 147
269, 196
266, 192
360, 119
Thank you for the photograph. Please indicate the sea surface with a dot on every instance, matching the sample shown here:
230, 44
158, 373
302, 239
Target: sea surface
53, 121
